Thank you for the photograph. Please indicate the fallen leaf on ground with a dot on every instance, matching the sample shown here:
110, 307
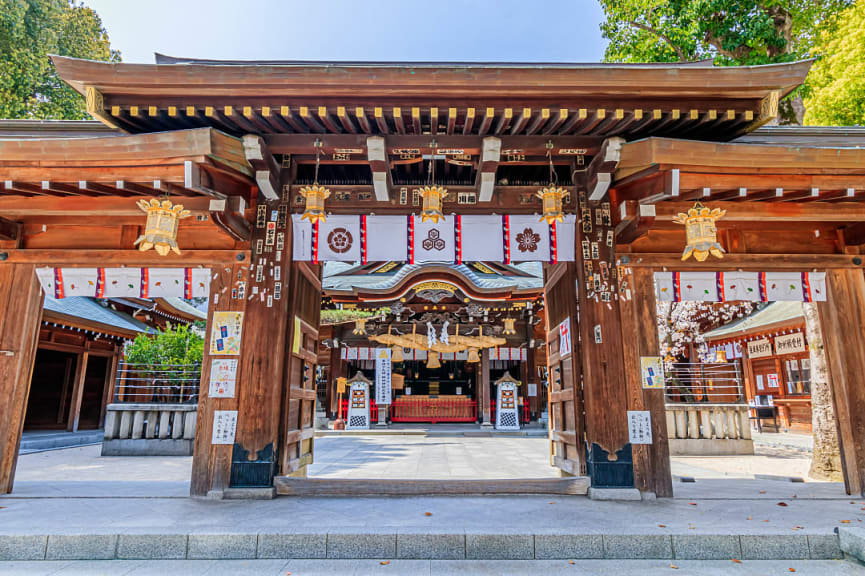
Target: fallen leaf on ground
662, 525
384, 562
749, 518
766, 520
692, 503
762, 491
552, 502
674, 567
845, 521
427, 513
571, 562
736, 560
791, 569
782, 503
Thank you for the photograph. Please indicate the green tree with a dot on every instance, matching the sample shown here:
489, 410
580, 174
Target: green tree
30, 30
172, 346
836, 84
730, 32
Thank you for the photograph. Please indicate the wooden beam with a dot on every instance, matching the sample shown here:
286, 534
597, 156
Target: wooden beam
504, 121
77, 392
228, 215
345, 120
539, 121
362, 120
486, 174
398, 121
560, 119
635, 220
380, 120
452, 120
267, 169
310, 120
10, 230
760, 262
107, 258
80, 206
489, 114
327, 120
600, 171
377, 156
470, 120
415, 121
288, 116
847, 212
521, 121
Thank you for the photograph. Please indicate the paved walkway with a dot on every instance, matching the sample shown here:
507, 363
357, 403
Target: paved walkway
433, 568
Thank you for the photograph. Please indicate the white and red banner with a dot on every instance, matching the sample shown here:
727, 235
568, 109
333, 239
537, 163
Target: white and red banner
456, 239
732, 286
125, 282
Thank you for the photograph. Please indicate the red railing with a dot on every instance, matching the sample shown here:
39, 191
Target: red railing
434, 410
523, 411
373, 410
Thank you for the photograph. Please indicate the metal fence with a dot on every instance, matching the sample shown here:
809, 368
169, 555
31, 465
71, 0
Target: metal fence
691, 382
160, 384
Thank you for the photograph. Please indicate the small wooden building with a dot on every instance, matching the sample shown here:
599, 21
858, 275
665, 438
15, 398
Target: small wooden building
772, 346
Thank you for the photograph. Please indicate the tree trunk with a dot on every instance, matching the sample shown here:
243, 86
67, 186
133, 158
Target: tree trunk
826, 459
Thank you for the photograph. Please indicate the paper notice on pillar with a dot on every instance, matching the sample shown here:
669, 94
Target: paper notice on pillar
639, 427
434, 241
301, 248
565, 338
528, 239
164, 282
481, 239
382, 376
652, 371
225, 334
565, 240
386, 239
338, 239
224, 426
533, 389
223, 377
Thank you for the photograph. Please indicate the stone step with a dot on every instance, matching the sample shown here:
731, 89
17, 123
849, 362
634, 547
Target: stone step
280, 567
289, 486
417, 544
38, 442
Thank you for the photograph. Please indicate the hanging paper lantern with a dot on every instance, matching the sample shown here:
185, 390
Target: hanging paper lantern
432, 203
433, 360
473, 356
552, 199
396, 354
359, 326
509, 326
315, 196
701, 232
720, 356
160, 230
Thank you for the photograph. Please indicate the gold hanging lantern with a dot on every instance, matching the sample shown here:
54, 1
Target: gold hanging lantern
432, 203
396, 353
160, 230
433, 360
315, 196
509, 326
473, 356
701, 232
552, 199
359, 326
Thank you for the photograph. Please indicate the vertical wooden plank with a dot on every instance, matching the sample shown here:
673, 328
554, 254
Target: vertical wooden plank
77, 392
842, 318
639, 328
20, 315
211, 465
111, 363
67, 379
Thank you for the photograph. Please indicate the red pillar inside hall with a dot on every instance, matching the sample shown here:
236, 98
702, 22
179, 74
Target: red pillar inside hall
20, 315
264, 427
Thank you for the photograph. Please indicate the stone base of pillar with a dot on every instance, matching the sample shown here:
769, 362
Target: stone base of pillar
382, 416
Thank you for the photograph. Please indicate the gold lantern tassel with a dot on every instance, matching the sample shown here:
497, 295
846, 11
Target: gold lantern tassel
473, 356
433, 360
359, 326
396, 353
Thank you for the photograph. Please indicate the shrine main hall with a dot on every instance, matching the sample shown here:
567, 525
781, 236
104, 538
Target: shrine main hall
385, 243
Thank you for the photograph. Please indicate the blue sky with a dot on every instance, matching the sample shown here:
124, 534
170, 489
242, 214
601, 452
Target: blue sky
436, 30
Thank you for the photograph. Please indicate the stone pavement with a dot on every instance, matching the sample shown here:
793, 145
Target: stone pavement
433, 568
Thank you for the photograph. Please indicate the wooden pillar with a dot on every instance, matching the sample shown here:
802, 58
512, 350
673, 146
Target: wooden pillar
337, 370
211, 464
67, 380
20, 315
77, 392
112, 362
639, 329
842, 318
485, 397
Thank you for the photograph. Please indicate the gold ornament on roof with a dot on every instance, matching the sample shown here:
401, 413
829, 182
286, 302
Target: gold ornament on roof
432, 203
509, 326
160, 230
701, 232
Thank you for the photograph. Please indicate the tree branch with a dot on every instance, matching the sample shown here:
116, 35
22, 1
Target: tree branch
679, 52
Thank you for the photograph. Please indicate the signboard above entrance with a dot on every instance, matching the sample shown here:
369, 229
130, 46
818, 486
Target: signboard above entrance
738, 285
759, 348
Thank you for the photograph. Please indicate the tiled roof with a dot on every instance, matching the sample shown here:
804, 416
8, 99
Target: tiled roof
774, 313
91, 310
